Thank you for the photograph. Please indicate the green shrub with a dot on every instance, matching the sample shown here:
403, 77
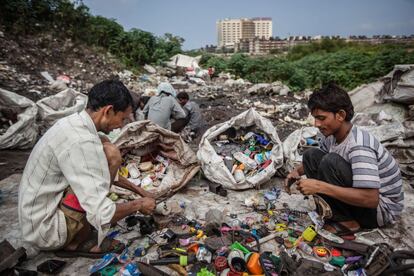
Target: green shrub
310, 66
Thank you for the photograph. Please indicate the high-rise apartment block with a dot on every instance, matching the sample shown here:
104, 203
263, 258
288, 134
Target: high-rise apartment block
231, 31
263, 27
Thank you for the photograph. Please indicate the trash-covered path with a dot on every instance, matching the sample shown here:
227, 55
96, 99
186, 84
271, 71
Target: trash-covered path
198, 201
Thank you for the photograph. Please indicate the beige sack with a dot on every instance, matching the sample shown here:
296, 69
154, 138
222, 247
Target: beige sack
145, 137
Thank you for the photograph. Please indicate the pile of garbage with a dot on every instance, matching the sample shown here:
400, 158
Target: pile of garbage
155, 159
60, 105
223, 97
18, 128
232, 244
146, 172
385, 109
244, 154
71, 64
22, 120
241, 153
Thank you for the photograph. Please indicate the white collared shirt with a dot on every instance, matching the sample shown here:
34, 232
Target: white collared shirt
69, 154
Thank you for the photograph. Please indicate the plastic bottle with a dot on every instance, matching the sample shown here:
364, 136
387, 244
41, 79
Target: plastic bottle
239, 156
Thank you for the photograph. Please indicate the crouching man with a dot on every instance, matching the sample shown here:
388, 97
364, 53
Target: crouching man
351, 171
63, 202
196, 125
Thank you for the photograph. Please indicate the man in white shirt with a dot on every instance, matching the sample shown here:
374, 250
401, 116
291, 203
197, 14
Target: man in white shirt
64, 187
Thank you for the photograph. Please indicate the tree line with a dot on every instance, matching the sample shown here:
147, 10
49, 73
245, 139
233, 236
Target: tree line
315, 64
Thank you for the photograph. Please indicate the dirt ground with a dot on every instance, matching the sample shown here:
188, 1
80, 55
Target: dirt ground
12, 162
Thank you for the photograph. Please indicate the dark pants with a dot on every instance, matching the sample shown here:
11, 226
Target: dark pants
178, 125
333, 169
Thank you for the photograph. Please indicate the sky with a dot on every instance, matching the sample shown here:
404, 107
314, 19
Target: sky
195, 20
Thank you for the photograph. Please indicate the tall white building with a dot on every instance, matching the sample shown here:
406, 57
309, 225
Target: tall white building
231, 31
263, 27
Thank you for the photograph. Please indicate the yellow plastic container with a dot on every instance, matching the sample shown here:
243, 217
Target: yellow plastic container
309, 234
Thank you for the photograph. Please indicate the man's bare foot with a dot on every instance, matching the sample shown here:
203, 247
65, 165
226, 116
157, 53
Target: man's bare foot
350, 226
94, 249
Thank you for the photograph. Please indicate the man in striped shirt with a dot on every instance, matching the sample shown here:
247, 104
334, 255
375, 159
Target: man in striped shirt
63, 192
351, 170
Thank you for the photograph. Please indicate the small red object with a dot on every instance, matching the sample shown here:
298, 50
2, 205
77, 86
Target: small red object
71, 201
336, 253
220, 263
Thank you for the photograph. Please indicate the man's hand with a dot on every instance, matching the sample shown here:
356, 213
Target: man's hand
291, 178
147, 205
144, 205
309, 186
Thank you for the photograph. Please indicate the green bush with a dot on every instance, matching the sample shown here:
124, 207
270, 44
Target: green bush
310, 66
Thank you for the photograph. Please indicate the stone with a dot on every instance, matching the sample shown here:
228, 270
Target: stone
150, 69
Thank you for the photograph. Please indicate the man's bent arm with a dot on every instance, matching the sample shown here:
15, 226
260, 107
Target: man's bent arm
367, 198
126, 184
124, 209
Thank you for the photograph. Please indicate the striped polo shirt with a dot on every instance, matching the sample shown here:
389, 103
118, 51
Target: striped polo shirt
372, 167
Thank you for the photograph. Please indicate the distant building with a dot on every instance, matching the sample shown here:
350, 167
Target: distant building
210, 48
262, 46
263, 27
231, 31
259, 46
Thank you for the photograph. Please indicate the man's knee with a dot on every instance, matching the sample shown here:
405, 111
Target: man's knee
113, 155
330, 160
312, 154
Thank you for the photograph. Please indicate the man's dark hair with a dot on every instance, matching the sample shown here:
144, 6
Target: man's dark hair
109, 92
332, 98
183, 96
